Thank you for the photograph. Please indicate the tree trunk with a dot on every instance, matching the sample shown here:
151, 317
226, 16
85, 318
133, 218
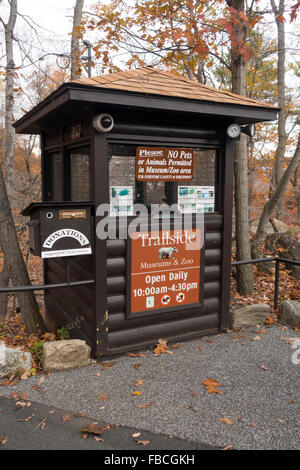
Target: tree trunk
9, 101
75, 60
280, 151
4, 281
273, 201
15, 264
243, 250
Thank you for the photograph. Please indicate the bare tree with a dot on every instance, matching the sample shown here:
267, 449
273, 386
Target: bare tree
9, 99
75, 68
280, 151
16, 265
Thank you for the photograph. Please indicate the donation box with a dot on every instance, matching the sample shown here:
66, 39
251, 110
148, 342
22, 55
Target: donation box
59, 229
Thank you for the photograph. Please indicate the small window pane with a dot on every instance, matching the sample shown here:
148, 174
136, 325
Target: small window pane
56, 177
80, 177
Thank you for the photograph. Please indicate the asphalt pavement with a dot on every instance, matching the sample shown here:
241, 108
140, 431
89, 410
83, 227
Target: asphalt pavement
159, 402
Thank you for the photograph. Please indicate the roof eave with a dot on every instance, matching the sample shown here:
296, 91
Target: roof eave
79, 92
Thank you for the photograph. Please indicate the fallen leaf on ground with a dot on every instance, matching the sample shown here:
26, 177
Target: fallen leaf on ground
98, 374
139, 382
137, 434
42, 379
191, 407
42, 424
145, 405
136, 393
20, 404
256, 338
144, 443
5, 382
263, 367
79, 415
93, 429
66, 418
228, 447
269, 320
175, 346
289, 340
106, 365
23, 396
226, 420
84, 436
102, 397
161, 347
132, 355
98, 439
3, 439
25, 375
211, 385
136, 366
200, 348
51, 412
195, 394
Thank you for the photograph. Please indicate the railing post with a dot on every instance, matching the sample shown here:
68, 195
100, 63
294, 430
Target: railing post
276, 289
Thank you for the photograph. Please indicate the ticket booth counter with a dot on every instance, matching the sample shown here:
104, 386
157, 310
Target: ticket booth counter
140, 137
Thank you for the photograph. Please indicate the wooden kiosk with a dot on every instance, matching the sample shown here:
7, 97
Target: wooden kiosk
149, 137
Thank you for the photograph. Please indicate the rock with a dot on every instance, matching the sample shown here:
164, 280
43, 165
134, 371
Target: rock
249, 315
279, 226
254, 224
287, 246
12, 360
65, 354
290, 312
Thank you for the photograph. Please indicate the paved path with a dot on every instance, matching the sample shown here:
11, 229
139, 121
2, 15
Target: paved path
260, 393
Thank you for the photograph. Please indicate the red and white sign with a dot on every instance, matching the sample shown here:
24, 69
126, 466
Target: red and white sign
164, 164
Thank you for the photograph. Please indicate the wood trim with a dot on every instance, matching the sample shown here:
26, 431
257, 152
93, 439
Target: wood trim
227, 232
247, 113
99, 161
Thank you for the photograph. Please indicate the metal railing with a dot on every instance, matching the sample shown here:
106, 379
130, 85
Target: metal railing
88, 282
277, 270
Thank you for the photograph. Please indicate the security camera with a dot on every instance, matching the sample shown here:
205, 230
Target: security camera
103, 123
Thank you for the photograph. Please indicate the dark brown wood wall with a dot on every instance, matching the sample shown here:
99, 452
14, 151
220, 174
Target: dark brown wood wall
74, 307
133, 333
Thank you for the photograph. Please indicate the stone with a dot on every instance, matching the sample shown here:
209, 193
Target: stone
279, 226
249, 315
65, 354
290, 312
12, 360
254, 224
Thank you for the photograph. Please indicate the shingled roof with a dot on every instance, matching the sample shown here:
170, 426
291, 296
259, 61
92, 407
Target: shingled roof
148, 80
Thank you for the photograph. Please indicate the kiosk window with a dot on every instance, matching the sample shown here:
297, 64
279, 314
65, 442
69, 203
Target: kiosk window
197, 195
56, 190
80, 176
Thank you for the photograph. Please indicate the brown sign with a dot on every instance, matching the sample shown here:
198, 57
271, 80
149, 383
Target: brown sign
165, 269
164, 164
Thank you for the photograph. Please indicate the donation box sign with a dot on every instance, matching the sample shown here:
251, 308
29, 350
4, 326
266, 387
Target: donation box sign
165, 269
164, 164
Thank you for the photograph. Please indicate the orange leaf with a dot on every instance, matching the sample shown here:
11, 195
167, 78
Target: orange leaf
226, 420
145, 405
102, 397
145, 443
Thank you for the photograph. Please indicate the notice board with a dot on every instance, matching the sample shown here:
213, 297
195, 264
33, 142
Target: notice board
164, 164
165, 270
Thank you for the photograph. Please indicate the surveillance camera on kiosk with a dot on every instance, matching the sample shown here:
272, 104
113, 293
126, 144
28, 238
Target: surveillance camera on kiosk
103, 123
